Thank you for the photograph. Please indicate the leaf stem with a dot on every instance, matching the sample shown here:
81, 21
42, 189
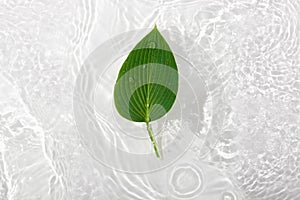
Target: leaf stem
150, 132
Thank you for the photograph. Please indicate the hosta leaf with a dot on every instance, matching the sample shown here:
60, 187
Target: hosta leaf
147, 83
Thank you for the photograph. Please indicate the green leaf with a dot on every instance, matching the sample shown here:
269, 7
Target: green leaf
147, 83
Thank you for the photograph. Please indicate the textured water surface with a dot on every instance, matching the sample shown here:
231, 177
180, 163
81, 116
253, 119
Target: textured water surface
233, 133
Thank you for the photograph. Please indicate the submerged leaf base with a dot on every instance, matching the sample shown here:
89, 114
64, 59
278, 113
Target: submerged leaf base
150, 132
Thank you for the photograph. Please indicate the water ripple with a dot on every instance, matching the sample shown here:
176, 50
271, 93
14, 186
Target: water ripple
186, 181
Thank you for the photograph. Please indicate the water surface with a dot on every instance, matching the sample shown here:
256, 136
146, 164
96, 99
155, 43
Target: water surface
233, 133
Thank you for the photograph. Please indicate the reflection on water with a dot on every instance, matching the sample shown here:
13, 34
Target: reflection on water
233, 132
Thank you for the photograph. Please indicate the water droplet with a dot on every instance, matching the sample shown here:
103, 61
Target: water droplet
152, 44
131, 80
